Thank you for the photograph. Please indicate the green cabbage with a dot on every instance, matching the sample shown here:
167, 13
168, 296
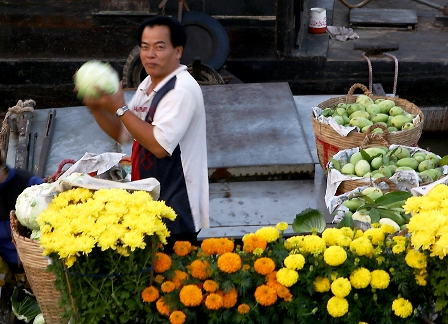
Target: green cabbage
94, 77
39, 319
30, 203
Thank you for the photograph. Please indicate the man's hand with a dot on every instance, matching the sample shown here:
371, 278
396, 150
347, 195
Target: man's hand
107, 102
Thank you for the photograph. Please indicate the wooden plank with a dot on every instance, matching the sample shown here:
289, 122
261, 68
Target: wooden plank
383, 17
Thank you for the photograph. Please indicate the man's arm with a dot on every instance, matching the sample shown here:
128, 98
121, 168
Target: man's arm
104, 109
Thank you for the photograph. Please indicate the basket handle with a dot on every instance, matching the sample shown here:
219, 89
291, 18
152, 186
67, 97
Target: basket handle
391, 185
360, 86
13, 221
370, 136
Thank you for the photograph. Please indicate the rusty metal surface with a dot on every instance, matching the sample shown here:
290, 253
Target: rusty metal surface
254, 131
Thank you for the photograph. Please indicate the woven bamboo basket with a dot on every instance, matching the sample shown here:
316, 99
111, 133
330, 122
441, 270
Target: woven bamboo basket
349, 185
329, 142
40, 280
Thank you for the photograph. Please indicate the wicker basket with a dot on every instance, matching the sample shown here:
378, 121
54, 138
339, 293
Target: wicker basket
329, 142
35, 265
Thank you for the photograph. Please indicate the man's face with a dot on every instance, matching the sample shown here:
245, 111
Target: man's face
157, 53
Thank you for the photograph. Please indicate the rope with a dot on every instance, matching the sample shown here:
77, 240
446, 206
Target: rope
394, 91
19, 108
370, 71
396, 72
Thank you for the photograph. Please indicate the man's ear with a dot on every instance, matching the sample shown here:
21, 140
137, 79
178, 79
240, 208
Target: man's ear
179, 51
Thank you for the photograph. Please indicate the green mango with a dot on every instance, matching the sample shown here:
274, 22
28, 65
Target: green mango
353, 203
392, 129
379, 118
384, 169
373, 109
364, 100
425, 165
348, 168
433, 157
339, 120
419, 156
399, 120
402, 152
408, 162
433, 173
360, 122
355, 158
386, 105
376, 163
362, 167
396, 110
359, 113
407, 126
351, 108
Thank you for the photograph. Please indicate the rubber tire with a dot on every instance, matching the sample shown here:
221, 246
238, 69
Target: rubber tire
206, 38
134, 73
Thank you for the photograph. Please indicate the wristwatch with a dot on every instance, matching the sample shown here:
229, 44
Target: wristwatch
120, 111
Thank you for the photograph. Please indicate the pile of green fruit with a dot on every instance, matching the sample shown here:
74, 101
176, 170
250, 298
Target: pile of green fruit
372, 206
381, 161
365, 112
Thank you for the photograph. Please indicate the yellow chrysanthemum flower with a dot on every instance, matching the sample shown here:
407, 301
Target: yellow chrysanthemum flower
282, 226
270, 234
402, 307
375, 235
335, 255
341, 287
361, 246
337, 306
360, 278
321, 284
313, 244
415, 259
379, 279
287, 277
294, 261
332, 236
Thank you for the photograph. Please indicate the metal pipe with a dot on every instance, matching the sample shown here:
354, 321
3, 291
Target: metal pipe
431, 4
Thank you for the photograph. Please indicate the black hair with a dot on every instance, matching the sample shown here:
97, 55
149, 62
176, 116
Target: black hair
177, 31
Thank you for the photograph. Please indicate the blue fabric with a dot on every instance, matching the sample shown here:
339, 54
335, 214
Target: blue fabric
7, 248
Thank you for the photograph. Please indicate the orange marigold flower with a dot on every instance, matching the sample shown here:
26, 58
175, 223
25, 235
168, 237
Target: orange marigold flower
245, 267
217, 246
190, 295
179, 277
182, 248
162, 308
150, 294
229, 299
168, 286
224, 245
252, 242
162, 263
283, 292
159, 278
264, 266
199, 269
210, 286
271, 276
213, 302
265, 295
229, 262
177, 317
243, 309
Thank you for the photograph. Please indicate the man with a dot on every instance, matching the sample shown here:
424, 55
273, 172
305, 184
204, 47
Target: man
12, 183
166, 120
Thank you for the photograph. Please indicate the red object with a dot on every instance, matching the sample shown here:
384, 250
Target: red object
314, 30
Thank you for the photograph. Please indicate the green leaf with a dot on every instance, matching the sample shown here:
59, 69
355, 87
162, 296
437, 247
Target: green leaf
374, 216
25, 310
336, 164
347, 221
392, 197
309, 220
